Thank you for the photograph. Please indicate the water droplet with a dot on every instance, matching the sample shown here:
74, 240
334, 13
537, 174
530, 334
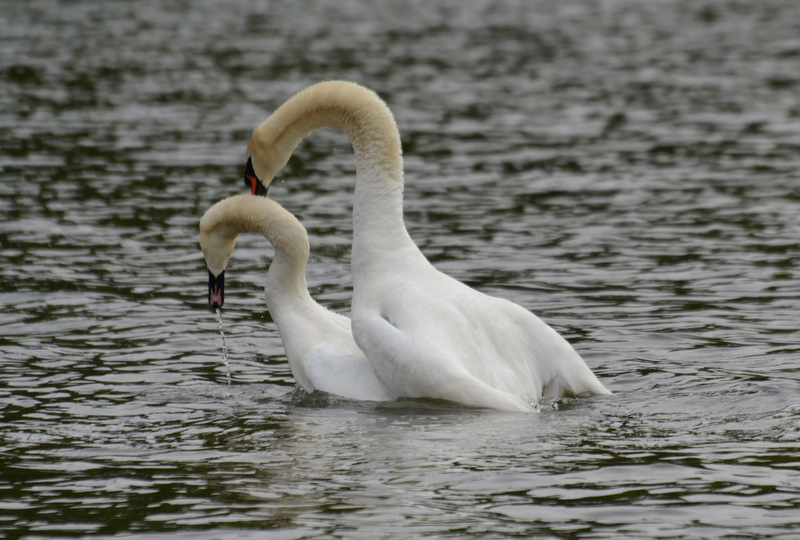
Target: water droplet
224, 352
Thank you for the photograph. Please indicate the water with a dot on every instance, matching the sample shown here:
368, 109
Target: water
630, 171
224, 351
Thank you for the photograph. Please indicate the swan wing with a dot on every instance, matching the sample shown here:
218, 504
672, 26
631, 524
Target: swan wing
342, 373
416, 368
510, 348
493, 340
560, 369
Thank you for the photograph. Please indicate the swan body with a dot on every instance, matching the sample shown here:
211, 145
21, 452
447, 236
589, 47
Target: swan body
318, 343
425, 334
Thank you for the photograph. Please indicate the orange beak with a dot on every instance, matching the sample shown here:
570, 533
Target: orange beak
251, 180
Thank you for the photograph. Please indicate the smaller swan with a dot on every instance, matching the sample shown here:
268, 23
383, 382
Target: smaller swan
319, 344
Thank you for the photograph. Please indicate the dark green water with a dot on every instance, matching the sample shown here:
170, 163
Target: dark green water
628, 170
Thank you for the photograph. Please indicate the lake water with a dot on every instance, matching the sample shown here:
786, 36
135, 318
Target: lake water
628, 170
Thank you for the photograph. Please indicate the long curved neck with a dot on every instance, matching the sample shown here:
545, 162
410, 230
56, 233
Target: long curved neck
365, 118
356, 110
287, 272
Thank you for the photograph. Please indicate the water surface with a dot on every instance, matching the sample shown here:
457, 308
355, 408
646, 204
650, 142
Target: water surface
629, 171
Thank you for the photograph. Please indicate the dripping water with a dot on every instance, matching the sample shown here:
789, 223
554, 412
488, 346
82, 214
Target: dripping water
224, 352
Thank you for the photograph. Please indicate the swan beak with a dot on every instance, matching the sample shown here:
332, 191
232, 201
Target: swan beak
216, 290
252, 181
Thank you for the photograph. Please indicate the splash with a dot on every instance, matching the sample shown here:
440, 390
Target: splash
224, 352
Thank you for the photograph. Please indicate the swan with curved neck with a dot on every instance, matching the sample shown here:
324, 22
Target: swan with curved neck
425, 334
318, 343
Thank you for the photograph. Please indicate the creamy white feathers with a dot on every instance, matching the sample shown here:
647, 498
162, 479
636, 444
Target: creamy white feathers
424, 333
318, 343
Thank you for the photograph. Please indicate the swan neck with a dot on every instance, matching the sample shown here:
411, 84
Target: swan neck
356, 110
370, 125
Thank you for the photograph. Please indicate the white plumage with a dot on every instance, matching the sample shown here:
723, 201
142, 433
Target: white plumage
318, 343
425, 334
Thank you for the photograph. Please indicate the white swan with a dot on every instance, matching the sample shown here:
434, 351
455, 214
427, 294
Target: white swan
318, 343
425, 334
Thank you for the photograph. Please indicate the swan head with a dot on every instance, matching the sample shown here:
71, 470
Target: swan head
266, 156
216, 290
222, 224
252, 180
217, 248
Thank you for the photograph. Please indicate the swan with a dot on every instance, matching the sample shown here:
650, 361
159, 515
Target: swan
425, 334
318, 343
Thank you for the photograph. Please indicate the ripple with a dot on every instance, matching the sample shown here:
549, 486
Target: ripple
627, 171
